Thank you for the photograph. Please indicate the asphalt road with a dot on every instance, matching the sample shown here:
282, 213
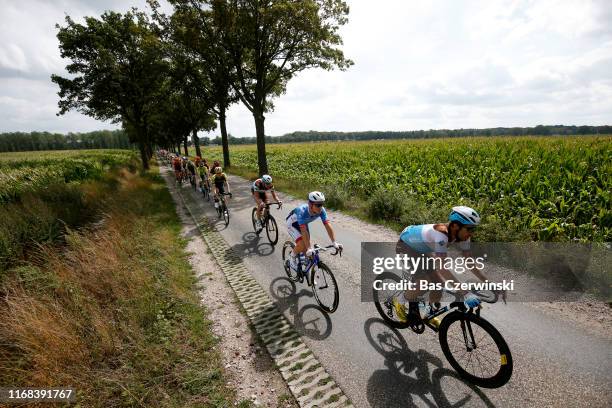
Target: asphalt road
555, 364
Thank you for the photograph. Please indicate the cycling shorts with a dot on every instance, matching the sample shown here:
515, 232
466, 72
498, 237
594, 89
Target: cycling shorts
294, 228
423, 271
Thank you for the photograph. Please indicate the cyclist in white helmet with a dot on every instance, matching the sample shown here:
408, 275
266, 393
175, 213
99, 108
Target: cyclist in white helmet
297, 225
432, 240
259, 188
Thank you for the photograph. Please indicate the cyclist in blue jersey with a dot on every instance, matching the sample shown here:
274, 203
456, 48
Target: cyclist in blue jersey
432, 240
297, 226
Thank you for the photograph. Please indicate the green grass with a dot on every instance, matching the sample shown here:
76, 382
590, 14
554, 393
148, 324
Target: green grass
114, 311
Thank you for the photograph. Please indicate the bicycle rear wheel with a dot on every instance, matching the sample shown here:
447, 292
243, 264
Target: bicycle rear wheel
325, 288
291, 274
383, 300
475, 349
272, 230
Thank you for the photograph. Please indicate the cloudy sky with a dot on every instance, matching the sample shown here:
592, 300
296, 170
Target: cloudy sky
418, 65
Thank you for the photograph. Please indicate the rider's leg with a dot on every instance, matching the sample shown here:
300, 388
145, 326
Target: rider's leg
257, 204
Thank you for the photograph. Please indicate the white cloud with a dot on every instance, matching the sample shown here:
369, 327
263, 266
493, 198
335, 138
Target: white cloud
418, 65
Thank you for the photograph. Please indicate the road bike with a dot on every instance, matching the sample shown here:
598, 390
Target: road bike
205, 189
267, 222
222, 210
317, 275
472, 345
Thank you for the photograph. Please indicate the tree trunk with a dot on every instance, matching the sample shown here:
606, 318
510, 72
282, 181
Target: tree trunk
185, 146
261, 142
143, 155
196, 142
224, 139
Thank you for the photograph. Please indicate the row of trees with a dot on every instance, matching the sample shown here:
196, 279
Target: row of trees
101, 139
313, 136
166, 77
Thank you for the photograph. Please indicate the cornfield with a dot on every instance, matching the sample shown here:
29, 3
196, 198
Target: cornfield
29, 171
557, 188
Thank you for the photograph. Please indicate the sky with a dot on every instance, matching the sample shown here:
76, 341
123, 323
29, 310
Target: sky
418, 65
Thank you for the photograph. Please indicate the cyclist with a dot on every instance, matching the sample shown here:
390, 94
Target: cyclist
258, 190
203, 173
178, 168
432, 240
297, 226
191, 168
219, 180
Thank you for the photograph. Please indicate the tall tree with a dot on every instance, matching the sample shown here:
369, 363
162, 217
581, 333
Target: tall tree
193, 27
270, 41
118, 71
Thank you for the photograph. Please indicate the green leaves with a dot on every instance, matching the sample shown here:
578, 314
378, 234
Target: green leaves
549, 188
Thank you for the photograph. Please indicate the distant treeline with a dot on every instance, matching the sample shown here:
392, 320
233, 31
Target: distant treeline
420, 134
101, 139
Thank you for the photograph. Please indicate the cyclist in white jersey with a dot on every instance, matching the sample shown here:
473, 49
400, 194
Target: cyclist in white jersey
432, 240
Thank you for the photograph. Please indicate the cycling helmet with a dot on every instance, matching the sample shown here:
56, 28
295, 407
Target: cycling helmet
316, 197
266, 179
218, 170
464, 215
184, 157
216, 163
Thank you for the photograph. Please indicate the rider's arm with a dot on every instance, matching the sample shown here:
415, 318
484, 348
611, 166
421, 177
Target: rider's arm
475, 271
330, 231
227, 184
274, 196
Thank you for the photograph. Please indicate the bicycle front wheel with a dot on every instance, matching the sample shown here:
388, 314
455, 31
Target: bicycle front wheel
475, 349
226, 215
272, 230
325, 288
254, 219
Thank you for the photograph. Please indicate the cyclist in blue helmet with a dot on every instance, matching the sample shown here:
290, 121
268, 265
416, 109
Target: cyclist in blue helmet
432, 240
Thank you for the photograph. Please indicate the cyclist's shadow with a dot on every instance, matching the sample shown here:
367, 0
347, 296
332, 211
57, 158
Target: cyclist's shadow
253, 244
407, 375
309, 320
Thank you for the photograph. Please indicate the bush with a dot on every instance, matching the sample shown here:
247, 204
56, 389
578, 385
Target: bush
387, 204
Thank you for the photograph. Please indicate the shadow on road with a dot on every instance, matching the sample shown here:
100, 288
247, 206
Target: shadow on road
407, 378
253, 244
309, 320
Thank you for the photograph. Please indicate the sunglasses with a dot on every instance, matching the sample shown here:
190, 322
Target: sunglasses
318, 205
470, 229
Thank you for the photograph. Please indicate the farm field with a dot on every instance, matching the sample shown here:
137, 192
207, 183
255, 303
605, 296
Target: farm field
527, 188
28, 171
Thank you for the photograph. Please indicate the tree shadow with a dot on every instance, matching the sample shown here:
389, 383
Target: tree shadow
309, 320
407, 380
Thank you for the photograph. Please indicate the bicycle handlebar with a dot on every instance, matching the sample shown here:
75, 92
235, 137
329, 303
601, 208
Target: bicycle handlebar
319, 248
278, 205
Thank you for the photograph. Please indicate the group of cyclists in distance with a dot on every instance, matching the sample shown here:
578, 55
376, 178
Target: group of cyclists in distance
415, 240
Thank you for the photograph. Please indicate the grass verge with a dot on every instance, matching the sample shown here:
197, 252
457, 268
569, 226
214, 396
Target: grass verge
115, 313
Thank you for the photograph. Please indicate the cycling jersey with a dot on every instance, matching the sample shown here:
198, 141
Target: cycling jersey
426, 239
177, 165
191, 167
301, 216
202, 171
219, 179
261, 186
